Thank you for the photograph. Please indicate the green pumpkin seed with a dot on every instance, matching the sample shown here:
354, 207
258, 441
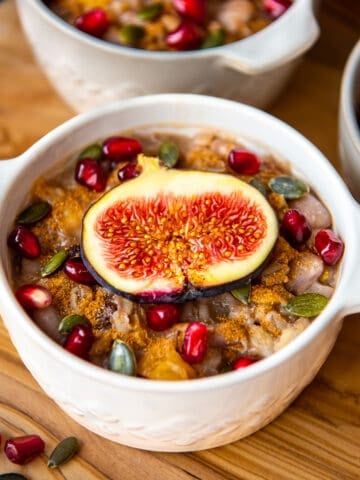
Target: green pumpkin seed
63, 452
169, 154
12, 476
242, 294
54, 263
122, 359
131, 34
35, 212
307, 305
259, 186
150, 12
289, 187
214, 39
70, 321
92, 151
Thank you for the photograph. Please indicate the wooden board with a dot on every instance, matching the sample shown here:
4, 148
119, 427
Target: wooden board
318, 437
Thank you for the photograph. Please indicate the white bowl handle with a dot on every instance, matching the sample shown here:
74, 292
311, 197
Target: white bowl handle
279, 43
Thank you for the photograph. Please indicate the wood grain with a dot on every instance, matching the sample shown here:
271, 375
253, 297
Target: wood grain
318, 437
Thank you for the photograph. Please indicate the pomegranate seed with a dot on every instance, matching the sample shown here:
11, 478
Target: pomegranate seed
243, 362
243, 161
195, 342
22, 450
94, 22
121, 148
77, 271
295, 228
24, 242
33, 297
89, 172
192, 9
329, 246
80, 341
128, 172
275, 8
186, 37
161, 317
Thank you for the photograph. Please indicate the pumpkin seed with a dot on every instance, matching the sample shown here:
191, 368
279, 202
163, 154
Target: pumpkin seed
63, 452
169, 154
12, 476
131, 34
150, 12
35, 212
259, 186
289, 187
92, 151
307, 305
70, 321
242, 294
214, 39
122, 359
54, 263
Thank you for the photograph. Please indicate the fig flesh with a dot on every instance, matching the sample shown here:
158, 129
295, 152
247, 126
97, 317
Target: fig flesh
174, 235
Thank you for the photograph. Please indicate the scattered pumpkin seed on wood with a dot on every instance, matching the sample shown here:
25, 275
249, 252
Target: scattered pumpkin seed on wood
169, 154
34, 213
307, 305
92, 151
63, 452
242, 294
289, 187
54, 263
12, 476
68, 323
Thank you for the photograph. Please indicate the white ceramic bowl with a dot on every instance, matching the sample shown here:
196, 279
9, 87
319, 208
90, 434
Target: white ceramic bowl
88, 72
192, 414
349, 128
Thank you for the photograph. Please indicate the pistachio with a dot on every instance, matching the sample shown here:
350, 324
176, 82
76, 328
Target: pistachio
289, 187
63, 452
54, 263
242, 294
169, 154
131, 34
12, 476
307, 305
68, 323
259, 186
150, 12
92, 151
122, 359
34, 213
214, 39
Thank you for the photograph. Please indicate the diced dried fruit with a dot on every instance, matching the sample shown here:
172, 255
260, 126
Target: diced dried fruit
186, 37
122, 359
161, 317
90, 173
307, 305
24, 449
131, 34
243, 362
242, 294
295, 227
243, 162
34, 213
192, 9
169, 154
92, 151
171, 235
33, 297
63, 452
94, 22
151, 11
289, 187
80, 341
329, 246
195, 343
214, 39
55, 262
24, 242
68, 323
121, 149
77, 271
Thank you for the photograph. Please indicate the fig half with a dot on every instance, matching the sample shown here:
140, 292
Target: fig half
173, 235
